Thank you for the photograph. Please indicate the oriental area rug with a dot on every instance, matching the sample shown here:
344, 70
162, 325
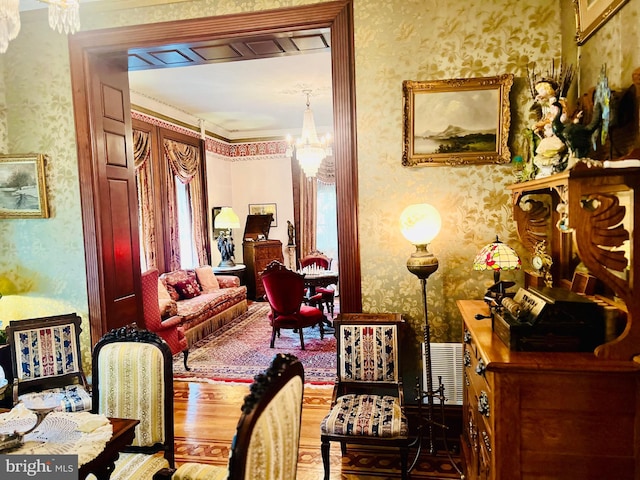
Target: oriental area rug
240, 350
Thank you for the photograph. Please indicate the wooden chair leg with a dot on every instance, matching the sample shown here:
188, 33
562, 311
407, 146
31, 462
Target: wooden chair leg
273, 337
404, 453
301, 340
325, 447
186, 355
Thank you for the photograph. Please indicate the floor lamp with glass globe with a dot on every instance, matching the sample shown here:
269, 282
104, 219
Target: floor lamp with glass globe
420, 223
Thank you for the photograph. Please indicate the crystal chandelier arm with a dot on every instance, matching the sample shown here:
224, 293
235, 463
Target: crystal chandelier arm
64, 15
9, 22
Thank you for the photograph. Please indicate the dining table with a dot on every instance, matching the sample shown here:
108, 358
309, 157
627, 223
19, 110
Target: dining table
97, 440
317, 277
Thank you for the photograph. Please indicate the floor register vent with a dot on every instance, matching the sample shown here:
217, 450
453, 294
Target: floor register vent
446, 362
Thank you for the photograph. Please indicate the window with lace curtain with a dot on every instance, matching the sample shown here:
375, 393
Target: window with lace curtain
188, 257
327, 222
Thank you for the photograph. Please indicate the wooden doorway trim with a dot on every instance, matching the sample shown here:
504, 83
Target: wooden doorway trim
112, 45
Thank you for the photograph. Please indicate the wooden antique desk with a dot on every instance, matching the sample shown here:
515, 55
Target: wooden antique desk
545, 415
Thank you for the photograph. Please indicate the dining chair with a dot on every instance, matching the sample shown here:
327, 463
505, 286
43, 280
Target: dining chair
133, 378
169, 329
284, 290
317, 258
322, 261
45, 357
267, 438
368, 404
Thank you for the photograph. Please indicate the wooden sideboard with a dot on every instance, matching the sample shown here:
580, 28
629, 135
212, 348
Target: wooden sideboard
541, 415
256, 256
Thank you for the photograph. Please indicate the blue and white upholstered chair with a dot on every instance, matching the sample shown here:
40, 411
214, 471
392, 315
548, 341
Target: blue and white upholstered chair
266, 442
133, 378
45, 353
367, 405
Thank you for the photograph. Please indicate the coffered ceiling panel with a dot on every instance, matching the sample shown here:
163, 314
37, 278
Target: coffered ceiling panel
242, 88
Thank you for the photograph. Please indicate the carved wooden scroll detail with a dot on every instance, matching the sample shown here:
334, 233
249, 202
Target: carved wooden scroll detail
532, 220
596, 218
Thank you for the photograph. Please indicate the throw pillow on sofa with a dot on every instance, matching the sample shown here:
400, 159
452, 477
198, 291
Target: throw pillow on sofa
168, 306
188, 288
207, 279
173, 293
170, 280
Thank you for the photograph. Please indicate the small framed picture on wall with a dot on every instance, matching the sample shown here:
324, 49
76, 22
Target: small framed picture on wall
214, 213
264, 209
23, 191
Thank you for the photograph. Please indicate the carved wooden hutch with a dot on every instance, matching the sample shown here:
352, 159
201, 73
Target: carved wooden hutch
565, 415
589, 216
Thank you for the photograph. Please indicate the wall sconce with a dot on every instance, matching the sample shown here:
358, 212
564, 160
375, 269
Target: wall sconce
226, 220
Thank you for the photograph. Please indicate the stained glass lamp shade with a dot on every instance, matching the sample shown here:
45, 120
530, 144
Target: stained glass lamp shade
497, 256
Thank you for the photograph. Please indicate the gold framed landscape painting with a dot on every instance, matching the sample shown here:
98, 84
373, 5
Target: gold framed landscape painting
23, 192
460, 121
592, 14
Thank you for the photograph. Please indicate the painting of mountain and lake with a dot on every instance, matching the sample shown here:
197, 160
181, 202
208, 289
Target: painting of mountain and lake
457, 121
466, 122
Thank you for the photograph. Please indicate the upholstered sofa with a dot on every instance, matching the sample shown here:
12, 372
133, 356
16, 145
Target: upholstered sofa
202, 300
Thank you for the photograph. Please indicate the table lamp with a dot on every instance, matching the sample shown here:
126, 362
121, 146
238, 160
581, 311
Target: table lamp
226, 220
497, 256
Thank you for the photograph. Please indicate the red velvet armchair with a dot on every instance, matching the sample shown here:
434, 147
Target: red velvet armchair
320, 260
284, 290
169, 330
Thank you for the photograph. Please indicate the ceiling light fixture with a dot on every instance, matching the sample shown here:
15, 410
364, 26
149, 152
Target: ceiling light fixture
64, 16
9, 22
309, 149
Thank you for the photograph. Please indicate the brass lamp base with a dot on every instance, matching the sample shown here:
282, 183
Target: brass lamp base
422, 263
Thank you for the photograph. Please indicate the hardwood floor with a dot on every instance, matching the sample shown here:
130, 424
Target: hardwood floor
205, 420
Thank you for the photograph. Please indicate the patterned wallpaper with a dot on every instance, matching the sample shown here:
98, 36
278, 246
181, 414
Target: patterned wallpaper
394, 41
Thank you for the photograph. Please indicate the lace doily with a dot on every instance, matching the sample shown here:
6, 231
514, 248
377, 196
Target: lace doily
61, 433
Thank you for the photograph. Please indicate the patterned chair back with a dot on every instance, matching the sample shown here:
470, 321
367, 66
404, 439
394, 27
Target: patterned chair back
273, 432
46, 356
133, 378
368, 353
367, 346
